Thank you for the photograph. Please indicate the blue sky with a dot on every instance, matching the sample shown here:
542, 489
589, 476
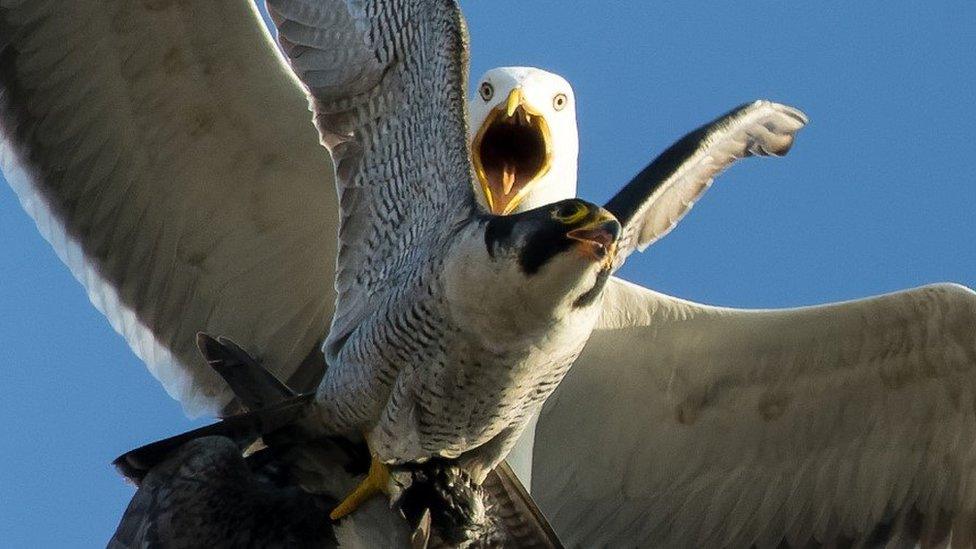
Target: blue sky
877, 195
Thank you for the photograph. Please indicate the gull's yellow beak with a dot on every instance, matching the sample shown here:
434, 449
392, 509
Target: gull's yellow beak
511, 151
513, 102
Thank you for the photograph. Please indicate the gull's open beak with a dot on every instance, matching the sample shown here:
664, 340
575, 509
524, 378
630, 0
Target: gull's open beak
598, 238
515, 99
510, 152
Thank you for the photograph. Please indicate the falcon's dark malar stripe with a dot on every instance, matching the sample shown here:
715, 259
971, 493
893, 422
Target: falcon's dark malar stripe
588, 297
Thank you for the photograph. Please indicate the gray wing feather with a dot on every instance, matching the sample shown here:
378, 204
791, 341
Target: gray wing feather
684, 425
167, 153
653, 203
388, 81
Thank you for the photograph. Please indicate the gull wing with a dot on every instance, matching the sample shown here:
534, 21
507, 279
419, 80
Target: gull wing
652, 203
684, 425
168, 155
388, 80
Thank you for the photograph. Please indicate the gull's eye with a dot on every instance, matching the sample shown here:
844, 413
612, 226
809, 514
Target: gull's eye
486, 91
559, 101
568, 213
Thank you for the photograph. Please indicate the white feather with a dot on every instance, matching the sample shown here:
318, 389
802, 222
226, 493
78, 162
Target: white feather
687, 425
169, 158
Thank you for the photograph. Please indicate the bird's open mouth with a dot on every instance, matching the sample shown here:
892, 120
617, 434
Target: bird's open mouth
510, 152
598, 239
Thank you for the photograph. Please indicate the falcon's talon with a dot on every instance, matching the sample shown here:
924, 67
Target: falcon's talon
377, 482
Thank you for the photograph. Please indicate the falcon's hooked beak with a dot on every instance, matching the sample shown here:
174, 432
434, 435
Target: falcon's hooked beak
598, 238
510, 152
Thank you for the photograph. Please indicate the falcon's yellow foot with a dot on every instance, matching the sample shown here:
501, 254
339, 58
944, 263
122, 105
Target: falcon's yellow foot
376, 482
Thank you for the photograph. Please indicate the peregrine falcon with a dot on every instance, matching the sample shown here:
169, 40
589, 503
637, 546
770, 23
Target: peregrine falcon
451, 326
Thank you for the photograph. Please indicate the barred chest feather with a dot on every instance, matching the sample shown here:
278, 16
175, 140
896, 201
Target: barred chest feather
487, 345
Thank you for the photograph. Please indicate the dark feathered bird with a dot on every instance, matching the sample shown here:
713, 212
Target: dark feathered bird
197, 488
205, 494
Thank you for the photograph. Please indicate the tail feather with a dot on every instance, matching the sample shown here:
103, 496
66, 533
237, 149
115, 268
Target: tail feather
254, 386
243, 429
520, 517
273, 406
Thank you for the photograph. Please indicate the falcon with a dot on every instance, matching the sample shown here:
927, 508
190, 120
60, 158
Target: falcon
424, 358
842, 423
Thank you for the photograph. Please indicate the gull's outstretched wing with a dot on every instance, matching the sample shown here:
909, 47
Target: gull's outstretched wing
388, 80
660, 195
684, 425
168, 154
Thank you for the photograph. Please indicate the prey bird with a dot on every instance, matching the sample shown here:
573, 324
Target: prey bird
197, 489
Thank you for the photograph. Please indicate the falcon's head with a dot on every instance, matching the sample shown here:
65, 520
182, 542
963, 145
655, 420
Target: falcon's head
510, 277
524, 142
558, 252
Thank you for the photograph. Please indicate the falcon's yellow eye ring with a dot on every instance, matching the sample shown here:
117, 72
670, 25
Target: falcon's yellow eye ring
570, 212
486, 91
559, 101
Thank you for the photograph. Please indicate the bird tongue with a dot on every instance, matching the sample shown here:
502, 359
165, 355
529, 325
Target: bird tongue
508, 178
598, 235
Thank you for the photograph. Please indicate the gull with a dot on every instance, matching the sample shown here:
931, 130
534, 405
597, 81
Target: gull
689, 425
